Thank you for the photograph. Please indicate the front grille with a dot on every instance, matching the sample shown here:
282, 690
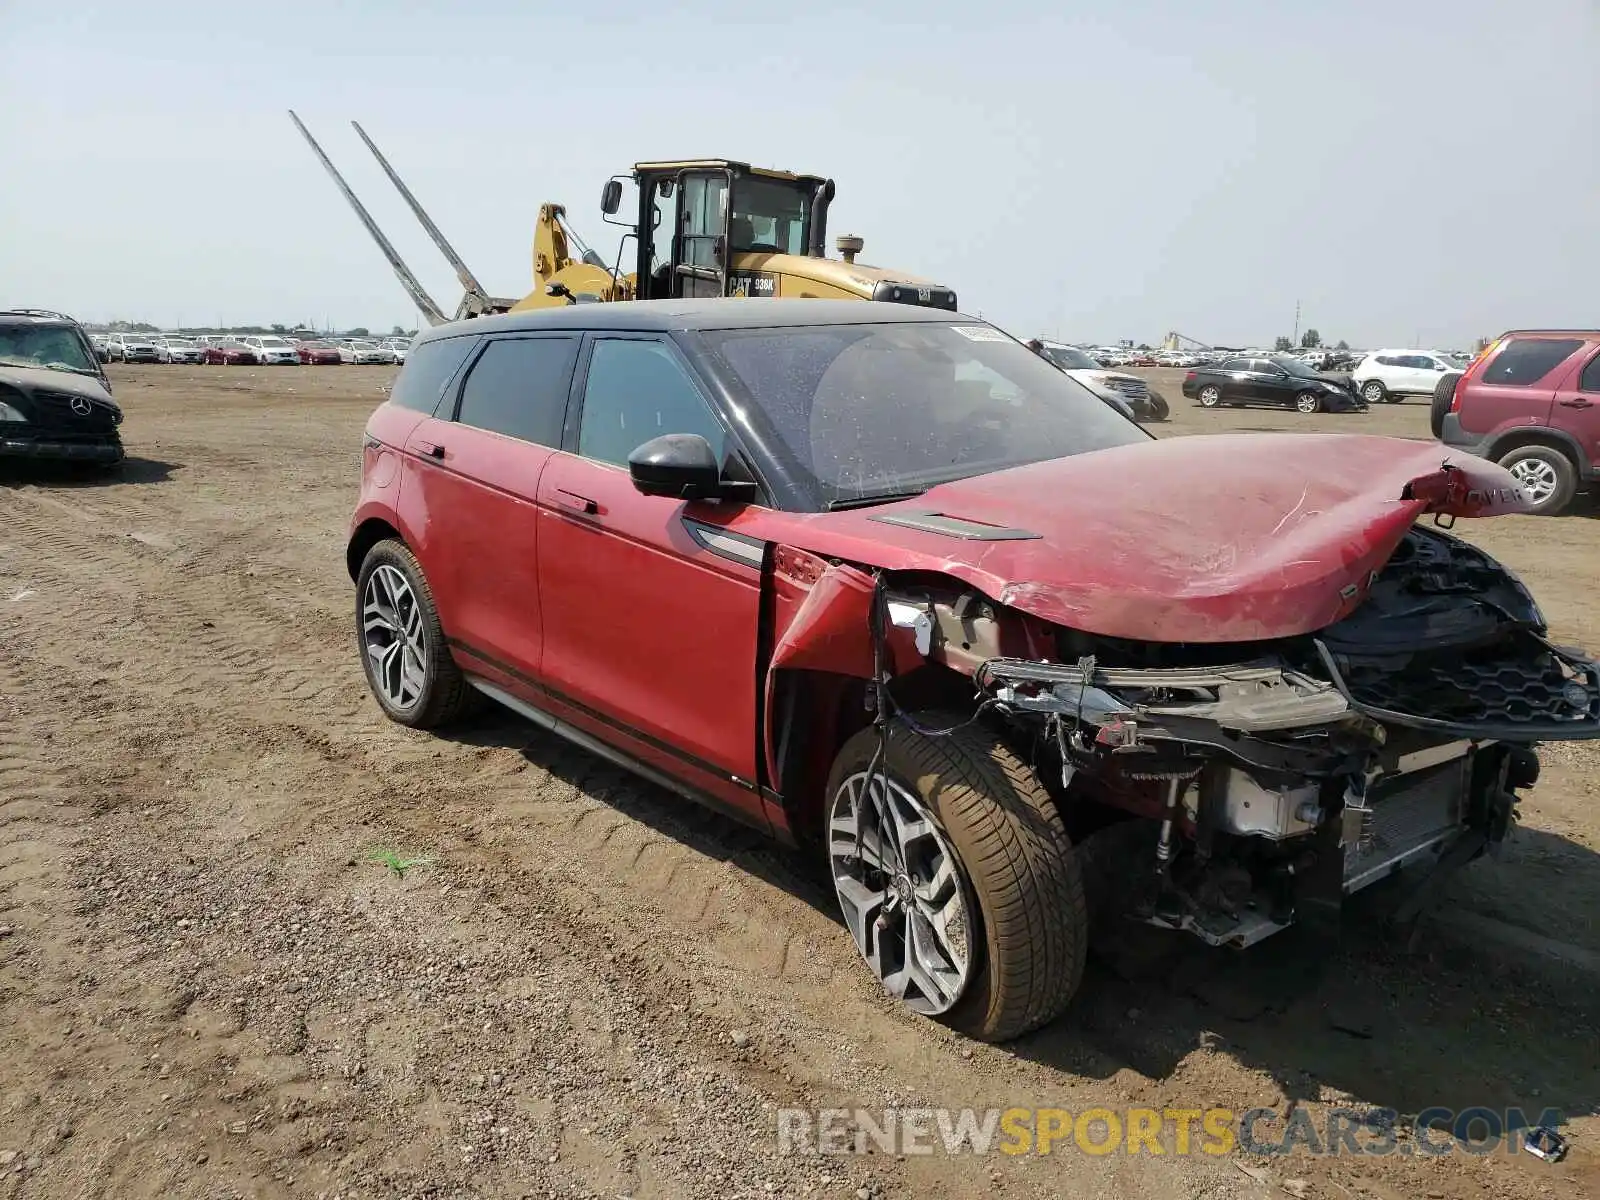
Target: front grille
53, 411
1133, 389
1516, 680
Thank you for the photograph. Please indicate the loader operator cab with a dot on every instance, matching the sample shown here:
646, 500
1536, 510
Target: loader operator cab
698, 222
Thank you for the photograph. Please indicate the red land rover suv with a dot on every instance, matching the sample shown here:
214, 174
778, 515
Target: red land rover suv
879, 581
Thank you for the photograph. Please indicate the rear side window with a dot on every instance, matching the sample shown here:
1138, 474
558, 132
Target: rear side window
1525, 361
428, 368
1589, 381
518, 387
1235, 364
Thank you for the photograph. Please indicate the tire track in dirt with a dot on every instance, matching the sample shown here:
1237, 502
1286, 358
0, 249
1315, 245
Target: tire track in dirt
199, 709
218, 664
202, 680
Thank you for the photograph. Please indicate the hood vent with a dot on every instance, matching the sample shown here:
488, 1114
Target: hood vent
965, 528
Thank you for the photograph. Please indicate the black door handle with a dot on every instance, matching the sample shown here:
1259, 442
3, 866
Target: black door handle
431, 449
576, 502
1580, 402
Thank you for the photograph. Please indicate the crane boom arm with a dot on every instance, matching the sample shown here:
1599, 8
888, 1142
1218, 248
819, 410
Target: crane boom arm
469, 281
419, 295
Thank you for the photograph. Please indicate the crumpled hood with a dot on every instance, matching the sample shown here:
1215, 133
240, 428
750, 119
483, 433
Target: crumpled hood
1200, 539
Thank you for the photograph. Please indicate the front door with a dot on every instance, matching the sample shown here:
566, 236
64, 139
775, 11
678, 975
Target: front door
1268, 382
651, 610
700, 249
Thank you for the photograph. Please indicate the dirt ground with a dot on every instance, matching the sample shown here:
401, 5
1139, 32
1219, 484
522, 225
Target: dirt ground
589, 988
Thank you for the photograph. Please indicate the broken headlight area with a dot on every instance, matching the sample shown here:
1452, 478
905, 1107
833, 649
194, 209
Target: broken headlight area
1262, 789
1271, 777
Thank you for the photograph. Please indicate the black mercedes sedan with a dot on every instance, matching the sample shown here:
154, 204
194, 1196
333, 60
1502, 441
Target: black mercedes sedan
1282, 382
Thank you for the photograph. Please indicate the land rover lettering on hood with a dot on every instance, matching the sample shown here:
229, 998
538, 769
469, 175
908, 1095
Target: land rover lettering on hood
883, 583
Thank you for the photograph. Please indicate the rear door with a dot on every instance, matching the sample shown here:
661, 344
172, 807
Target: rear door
484, 455
425, 479
1516, 384
1235, 380
651, 607
1577, 406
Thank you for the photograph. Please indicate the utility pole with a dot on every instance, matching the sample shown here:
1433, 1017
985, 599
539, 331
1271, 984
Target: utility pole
1295, 340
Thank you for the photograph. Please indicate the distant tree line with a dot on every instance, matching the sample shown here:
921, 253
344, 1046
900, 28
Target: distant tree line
1309, 340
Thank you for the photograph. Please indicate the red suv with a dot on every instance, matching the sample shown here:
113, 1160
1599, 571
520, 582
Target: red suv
879, 581
1530, 401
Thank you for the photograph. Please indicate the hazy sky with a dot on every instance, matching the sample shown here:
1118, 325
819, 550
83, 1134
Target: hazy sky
1407, 169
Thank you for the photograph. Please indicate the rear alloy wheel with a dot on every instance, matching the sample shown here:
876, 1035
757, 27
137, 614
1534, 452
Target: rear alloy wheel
1373, 392
1210, 396
956, 879
1546, 476
408, 666
1308, 402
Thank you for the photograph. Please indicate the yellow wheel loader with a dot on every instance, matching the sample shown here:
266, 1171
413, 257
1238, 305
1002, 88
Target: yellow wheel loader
700, 227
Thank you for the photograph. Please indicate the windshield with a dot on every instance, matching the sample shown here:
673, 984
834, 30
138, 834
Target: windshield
769, 215
1295, 367
1070, 358
864, 411
171, 341
274, 342
47, 346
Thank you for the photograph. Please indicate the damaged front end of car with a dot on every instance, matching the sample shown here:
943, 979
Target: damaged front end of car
1262, 780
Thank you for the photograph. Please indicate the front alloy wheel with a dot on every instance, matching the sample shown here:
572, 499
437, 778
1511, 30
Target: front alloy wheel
1308, 402
955, 875
902, 892
1374, 392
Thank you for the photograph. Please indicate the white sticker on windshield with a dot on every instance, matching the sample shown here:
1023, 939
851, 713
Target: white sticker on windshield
980, 333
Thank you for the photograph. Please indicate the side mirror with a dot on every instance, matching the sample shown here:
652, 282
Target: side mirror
611, 196
683, 466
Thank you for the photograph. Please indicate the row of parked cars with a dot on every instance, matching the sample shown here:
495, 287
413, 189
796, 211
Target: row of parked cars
248, 350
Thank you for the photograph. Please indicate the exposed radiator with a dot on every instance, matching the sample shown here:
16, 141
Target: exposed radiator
1411, 816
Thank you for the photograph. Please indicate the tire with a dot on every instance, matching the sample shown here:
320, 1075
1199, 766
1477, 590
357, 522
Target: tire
1546, 474
1210, 396
1158, 407
1444, 394
1373, 392
443, 694
1026, 921
1308, 402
